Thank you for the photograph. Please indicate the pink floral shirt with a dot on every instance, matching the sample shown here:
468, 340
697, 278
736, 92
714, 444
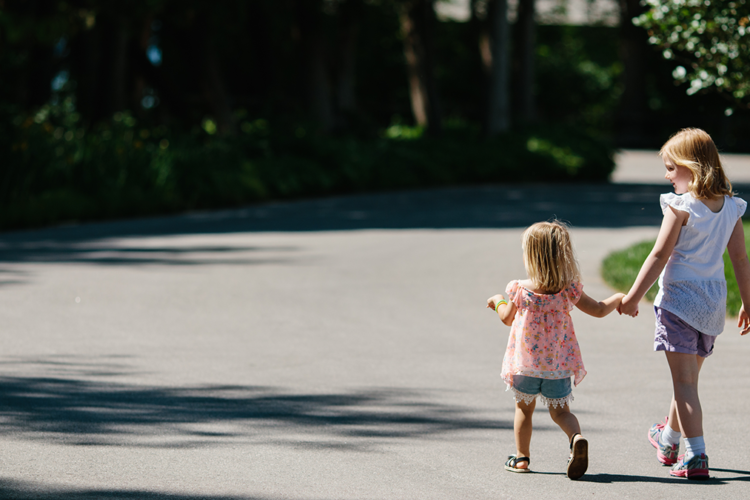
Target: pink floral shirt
542, 341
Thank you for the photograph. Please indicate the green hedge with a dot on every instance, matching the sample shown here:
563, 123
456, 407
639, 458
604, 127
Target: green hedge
58, 171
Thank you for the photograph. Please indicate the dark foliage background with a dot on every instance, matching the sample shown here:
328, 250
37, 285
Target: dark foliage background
114, 109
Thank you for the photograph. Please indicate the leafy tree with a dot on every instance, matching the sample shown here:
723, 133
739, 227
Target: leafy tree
711, 39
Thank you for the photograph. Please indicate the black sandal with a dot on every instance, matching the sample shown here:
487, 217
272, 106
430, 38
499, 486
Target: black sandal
510, 464
579, 457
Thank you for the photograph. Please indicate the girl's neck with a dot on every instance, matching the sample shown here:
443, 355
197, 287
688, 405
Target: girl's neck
530, 285
714, 204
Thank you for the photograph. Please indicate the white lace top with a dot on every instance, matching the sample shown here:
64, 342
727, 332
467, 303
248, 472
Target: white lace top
692, 285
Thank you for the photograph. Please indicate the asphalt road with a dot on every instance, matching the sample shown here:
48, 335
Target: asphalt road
330, 349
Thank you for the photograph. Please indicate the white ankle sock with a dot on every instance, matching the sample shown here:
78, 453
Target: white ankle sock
694, 446
669, 436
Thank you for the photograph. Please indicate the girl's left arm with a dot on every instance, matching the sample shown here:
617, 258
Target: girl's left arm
738, 256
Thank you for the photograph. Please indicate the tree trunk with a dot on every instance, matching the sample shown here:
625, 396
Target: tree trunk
346, 102
140, 45
118, 75
87, 60
498, 120
320, 85
479, 25
211, 78
265, 57
631, 121
417, 92
417, 22
33, 79
99, 63
526, 51
312, 40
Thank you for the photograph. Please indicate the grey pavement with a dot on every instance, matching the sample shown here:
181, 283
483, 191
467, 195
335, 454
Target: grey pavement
638, 166
330, 349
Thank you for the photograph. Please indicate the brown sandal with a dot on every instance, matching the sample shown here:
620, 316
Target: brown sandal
579, 457
510, 464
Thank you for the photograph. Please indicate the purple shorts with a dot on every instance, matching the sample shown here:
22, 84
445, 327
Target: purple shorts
674, 335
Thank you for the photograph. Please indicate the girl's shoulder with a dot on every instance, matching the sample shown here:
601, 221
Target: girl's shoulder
683, 202
522, 293
517, 293
573, 291
516, 289
512, 289
739, 204
692, 205
527, 286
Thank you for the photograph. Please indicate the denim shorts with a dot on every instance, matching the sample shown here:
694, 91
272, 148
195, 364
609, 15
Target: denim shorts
674, 335
558, 392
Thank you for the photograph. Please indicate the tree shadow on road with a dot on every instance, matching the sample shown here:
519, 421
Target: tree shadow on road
514, 205
16, 490
486, 207
584, 205
77, 411
478, 207
121, 243
107, 252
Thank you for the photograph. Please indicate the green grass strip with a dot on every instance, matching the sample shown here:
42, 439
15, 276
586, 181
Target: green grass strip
620, 269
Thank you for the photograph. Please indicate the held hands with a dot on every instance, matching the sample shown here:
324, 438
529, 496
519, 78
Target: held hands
628, 306
618, 300
743, 320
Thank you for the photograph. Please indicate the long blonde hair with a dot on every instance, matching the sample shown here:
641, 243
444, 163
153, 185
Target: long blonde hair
548, 256
693, 148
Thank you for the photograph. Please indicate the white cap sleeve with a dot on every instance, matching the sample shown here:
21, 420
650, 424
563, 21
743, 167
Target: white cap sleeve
741, 206
674, 201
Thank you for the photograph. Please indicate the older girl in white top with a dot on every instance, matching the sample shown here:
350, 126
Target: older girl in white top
701, 219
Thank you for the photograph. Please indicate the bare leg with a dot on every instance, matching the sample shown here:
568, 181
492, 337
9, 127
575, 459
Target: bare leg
685, 413
566, 420
674, 421
522, 430
579, 460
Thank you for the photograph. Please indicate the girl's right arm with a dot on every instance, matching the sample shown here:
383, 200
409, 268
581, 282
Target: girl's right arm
738, 256
656, 260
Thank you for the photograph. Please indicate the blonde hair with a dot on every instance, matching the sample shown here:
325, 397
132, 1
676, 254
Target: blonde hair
548, 256
693, 148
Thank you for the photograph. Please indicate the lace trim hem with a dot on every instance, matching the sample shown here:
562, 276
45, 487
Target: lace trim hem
519, 396
559, 402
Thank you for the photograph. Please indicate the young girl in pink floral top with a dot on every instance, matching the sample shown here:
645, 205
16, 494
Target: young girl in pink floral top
543, 352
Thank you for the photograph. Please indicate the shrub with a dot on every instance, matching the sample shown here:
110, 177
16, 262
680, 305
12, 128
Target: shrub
59, 171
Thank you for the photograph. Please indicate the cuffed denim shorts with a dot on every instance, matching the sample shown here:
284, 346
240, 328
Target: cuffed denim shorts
550, 389
675, 335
